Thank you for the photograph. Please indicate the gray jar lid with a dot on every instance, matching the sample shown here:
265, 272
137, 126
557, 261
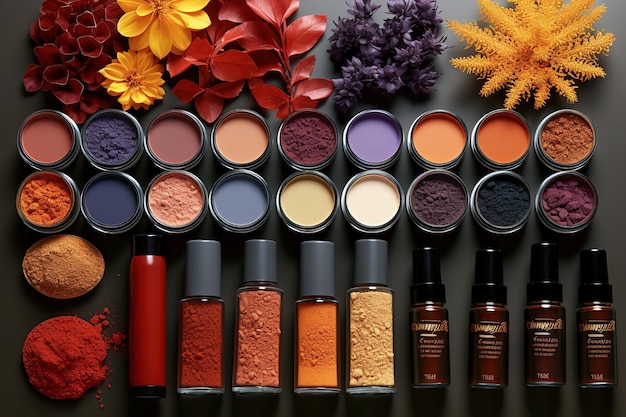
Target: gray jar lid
317, 268
260, 261
370, 261
203, 268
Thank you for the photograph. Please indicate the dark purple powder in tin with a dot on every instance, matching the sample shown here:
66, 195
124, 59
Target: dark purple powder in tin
308, 139
438, 200
110, 139
568, 201
503, 201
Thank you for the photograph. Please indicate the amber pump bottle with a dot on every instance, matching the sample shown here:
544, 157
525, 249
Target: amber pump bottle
595, 323
544, 316
428, 318
489, 323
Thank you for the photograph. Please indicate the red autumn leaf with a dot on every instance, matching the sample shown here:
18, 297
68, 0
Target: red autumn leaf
274, 12
226, 89
267, 96
187, 90
303, 102
315, 88
266, 61
302, 35
199, 50
303, 69
32, 77
236, 11
177, 64
253, 36
284, 110
209, 107
232, 65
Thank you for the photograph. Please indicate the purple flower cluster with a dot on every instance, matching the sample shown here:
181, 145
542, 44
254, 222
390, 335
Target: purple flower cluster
384, 58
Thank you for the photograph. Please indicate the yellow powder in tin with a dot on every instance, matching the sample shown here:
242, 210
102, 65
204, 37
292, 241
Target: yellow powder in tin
63, 266
371, 357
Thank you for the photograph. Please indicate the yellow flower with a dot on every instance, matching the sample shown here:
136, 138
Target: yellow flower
162, 25
135, 78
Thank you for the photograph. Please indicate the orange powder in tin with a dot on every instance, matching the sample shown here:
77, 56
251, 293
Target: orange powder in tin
316, 345
503, 138
46, 199
439, 138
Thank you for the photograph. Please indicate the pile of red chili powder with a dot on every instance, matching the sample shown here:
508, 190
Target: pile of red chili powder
65, 356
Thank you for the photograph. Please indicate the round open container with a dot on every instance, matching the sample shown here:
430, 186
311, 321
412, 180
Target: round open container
566, 202
437, 139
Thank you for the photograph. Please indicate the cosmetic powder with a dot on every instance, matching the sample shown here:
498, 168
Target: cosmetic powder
46, 201
307, 139
501, 140
565, 140
438, 140
307, 201
48, 139
373, 139
371, 201
176, 201
437, 201
111, 202
112, 139
566, 202
239, 201
501, 202
241, 139
63, 266
175, 139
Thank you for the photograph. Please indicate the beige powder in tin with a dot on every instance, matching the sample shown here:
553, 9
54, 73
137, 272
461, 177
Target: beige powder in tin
63, 266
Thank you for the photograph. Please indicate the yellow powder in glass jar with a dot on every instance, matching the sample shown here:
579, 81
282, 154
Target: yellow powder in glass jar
63, 266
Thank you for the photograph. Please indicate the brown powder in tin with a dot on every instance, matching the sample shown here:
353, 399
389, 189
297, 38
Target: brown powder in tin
63, 266
371, 357
567, 138
257, 360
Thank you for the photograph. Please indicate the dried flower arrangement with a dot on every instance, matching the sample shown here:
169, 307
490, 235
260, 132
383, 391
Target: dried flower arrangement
534, 47
382, 59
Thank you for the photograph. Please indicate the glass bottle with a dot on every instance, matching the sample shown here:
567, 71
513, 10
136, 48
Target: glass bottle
544, 316
201, 322
317, 321
428, 318
370, 347
258, 322
595, 323
489, 323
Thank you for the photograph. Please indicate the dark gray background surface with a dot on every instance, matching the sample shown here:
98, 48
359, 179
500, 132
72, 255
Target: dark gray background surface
22, 308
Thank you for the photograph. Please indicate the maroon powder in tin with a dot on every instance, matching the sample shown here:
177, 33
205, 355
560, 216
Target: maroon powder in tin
568, 201
308, 138
438, 200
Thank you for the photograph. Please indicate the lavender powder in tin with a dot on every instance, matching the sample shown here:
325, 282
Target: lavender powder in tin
110, 139
438, 200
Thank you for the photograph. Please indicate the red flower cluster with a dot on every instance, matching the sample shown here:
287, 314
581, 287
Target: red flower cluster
74, 39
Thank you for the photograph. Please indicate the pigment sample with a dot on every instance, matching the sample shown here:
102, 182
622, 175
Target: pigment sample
438, 200
175, 139
64, 357
175, 199
46, 199
111, 138
258, 339
568, 200
502, 138
503, 201
63, 266
241, 138
112, 201
567, 138
438, 138
308, 138
373, 139
307, 200
48, 137
371, 339
372, 200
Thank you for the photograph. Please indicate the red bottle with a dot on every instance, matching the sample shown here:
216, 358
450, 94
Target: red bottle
147, 321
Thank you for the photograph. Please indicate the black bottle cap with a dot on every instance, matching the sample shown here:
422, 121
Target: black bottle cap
427, 284
260, 261
594, 277
370, 261
317, 268
489, 282
203, 268
147, 244
544, 273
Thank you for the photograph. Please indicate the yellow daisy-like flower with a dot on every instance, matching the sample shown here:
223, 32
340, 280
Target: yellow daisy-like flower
162, 25
135, 77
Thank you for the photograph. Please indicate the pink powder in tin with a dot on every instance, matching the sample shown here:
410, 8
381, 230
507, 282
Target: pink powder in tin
175, 199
